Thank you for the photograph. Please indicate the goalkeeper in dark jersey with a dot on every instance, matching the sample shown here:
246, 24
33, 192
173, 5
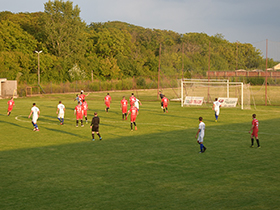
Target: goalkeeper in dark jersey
95, 126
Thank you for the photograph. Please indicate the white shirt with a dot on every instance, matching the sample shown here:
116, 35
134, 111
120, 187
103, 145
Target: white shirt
35, 111
201, 126
61, 108
136, 103
217, 105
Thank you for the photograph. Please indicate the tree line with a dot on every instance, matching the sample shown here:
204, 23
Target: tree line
73, 50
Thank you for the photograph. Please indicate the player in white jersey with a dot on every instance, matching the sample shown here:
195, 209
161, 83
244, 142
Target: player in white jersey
35, 112
60, 111
200, 133
136, 103
216, 108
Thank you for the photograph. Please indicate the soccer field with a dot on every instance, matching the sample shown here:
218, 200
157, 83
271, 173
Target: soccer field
156, 167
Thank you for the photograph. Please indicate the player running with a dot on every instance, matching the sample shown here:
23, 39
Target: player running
216, 108
35, 112
11, 105
85, 108
165, 102
132, 99
200, 133
107, 100
60, 111
79, 114
95, 126
255, 128
134, 112
124, 107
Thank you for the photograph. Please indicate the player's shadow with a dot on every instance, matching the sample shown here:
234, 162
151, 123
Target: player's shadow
65, 132
14, 124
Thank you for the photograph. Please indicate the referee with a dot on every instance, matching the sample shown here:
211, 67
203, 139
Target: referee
95, 126
161, 97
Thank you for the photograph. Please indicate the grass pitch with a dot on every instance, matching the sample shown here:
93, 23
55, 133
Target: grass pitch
156, 167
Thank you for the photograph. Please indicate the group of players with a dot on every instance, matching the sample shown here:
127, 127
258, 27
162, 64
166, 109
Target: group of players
82, 107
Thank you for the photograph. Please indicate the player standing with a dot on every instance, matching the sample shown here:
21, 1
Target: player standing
60, 111
255, 128
107, 100
200, 133
35, 112
85, 108
11, 104
79, 114
134, 112
216, 108
165, 102
124, 107
132, 99
95, 126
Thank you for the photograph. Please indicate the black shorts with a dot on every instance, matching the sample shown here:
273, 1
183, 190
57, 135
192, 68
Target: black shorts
95, 128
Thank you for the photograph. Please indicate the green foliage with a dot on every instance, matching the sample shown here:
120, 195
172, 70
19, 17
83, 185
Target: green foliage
255, 80
110, 50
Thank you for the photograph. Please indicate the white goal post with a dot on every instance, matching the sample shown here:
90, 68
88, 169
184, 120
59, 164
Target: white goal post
214, 88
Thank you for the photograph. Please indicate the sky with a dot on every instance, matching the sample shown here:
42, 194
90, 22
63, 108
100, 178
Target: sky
245, 21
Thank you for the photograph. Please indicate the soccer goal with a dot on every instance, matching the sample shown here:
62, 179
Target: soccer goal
204, 91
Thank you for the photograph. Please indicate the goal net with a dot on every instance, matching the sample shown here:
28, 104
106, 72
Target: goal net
203, 92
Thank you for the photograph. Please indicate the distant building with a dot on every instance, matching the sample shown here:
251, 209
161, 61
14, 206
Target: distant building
8, 88
277, 67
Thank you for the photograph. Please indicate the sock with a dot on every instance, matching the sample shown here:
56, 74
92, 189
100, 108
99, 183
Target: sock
252, 141
33, 124
77, 122
62, 120
59, 119
86, 118
131, 126
99, 135
81, 122
122, 116
201, 147
36, 126
163, 110
92, 135
134, 123
258, 142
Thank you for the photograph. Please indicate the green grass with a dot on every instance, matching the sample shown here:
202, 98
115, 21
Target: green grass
156, 167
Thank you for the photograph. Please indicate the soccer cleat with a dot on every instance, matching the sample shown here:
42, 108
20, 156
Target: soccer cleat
77, 126
259, 147
200, 152
204, 149
100, 138
34, 129
252, 146
93, 139
82, 125
135, 128
216, 120
131, 130
37, 129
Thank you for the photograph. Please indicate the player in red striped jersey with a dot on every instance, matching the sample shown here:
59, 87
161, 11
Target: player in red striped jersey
124, 107
255, 129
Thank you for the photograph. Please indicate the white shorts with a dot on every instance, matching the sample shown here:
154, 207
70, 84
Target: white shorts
200, 139
60, 115
34, 120
217, 112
